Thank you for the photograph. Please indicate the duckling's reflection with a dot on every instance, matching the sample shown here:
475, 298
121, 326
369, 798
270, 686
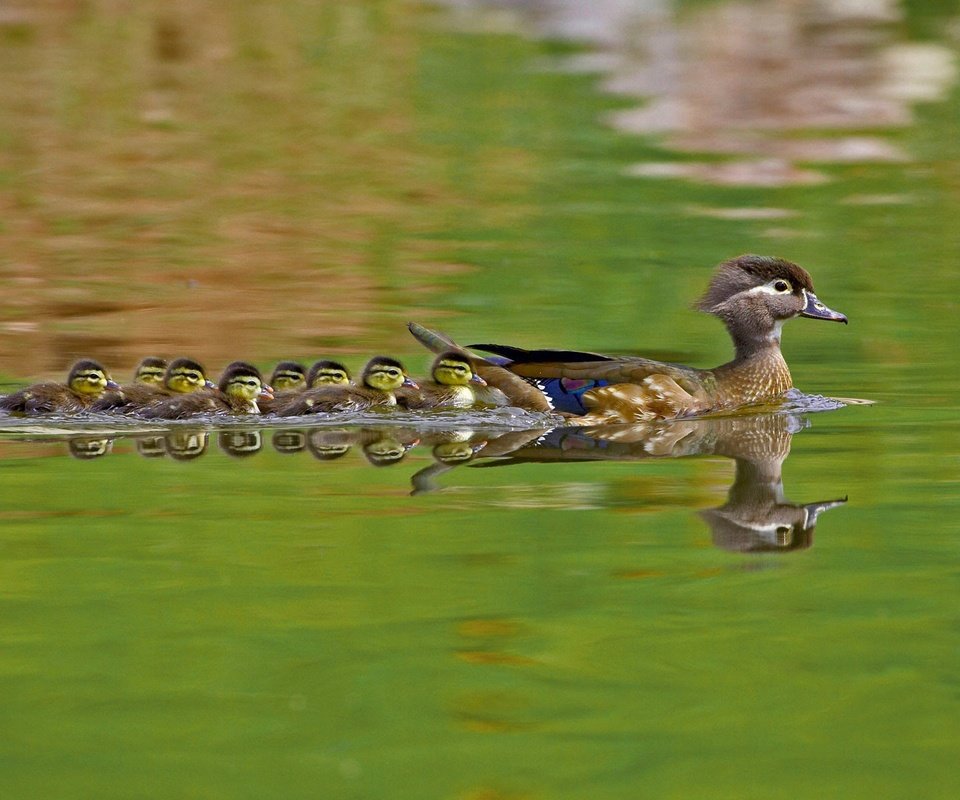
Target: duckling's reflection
756, 517
288, 441
89, 447
151, 446
451, 449
329, 444
240, 444
185, 445
384, 447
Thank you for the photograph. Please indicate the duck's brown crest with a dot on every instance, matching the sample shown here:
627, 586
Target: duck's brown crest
746, 271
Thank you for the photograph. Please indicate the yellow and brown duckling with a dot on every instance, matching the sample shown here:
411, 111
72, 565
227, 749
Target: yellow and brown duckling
181, 376
753, 296
289, 378
86, 382
150, 370
240, 388
381, 378
454, 384
328, 373
321, 374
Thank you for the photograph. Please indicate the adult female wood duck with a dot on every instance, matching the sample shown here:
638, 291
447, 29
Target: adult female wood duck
182, 376
289, 378
238, 391
753, 296
454, 384
381, 378
86, 381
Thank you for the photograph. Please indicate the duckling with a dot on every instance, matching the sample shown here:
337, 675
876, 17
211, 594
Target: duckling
328, 373
381, 378
150, 370
289, 378
502, 386
86, 382
455, 385
322, 374
182, 376
240, 387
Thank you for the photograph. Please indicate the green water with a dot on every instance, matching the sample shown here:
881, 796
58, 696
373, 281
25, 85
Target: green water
283, 625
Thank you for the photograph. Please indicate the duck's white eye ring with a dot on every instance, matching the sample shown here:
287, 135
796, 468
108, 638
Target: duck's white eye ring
782, 286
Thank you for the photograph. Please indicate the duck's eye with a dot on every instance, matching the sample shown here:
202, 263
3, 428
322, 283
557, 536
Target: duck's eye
781, 286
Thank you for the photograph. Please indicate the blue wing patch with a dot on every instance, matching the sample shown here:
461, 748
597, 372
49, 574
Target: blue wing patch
566, 394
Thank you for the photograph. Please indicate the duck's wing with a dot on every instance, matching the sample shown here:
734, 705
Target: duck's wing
184, 406
560, 379
503, 386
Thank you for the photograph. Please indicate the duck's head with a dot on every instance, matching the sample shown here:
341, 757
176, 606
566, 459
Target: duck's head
243, 381
185, 375
150, 370
452, 368
754, 296
328, 373
386, 375
287, 376
88, 377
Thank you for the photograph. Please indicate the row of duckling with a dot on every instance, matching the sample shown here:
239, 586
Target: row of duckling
180, 389
379, 446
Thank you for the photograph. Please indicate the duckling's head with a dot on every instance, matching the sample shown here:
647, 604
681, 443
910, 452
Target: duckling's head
186, 375
242, 381
754, 295
288, 375
151, 371
453, 368
385, 375
328, 373
88, 377
387, 450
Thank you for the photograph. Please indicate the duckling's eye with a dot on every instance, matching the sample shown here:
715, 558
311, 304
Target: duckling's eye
782, 286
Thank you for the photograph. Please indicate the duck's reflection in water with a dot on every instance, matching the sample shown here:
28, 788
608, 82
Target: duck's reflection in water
89, 447
756, 517
151, 446
288, 441
329, 444
186, 445
240, 444
454, 448
387, 446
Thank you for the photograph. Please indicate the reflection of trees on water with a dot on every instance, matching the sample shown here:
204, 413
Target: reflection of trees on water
741, 78
755, 517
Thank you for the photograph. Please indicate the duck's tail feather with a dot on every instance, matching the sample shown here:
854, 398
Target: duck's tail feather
520, 356
434, 341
